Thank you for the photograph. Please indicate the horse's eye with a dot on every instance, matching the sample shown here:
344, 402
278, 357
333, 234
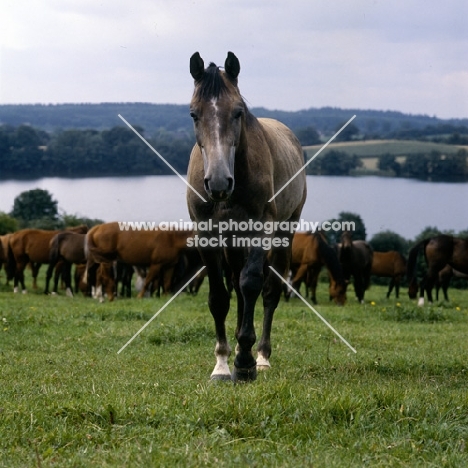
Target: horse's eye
194, 116
238, 114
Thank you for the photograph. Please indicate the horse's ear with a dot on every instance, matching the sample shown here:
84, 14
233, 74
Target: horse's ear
197, 66
232, 66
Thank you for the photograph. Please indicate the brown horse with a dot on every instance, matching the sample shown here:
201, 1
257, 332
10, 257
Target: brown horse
251, 171
439, 251
356, 261
159, 250
66, 247
392, 265
310, 252
31, 246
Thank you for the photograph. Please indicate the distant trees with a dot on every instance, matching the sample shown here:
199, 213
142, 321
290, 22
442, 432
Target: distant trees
26, 152
436, 166
334, 163
358, 233
308, 136
385, 241
35, 207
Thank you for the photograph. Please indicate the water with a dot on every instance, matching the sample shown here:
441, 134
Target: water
401, 205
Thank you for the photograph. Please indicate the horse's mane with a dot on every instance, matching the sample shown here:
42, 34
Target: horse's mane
212, 84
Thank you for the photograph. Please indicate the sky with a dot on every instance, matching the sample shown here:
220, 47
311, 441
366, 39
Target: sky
403, 55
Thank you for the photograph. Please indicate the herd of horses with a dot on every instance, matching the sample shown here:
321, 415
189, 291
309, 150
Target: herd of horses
249, 169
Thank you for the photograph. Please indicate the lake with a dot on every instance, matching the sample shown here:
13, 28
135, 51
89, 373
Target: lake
405, 206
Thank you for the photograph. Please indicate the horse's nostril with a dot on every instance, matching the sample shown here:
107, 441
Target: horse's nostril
230, 184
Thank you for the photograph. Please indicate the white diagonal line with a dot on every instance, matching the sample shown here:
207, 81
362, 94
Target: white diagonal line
313, 310
160, 310
162, 159
312, 158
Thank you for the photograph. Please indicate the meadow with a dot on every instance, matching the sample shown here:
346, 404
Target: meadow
67, 399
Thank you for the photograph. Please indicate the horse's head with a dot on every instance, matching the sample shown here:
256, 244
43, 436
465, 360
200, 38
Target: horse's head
346, 239
218, 111
337, 291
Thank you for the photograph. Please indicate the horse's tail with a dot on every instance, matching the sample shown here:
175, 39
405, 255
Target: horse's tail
92, 252
412, 263
331, 260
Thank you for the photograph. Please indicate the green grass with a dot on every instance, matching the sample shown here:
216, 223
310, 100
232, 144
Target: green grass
67, 399
376, 148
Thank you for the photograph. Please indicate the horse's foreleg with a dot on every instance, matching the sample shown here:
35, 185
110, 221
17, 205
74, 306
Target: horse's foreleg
250, 283
271, 296
218, 302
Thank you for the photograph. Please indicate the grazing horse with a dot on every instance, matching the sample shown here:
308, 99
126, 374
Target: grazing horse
251, 172
66, 247
31, 246
310, 252
392, 265
439, 251
356, 261
159, 250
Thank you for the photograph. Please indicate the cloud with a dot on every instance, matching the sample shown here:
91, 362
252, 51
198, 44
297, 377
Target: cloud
397, 55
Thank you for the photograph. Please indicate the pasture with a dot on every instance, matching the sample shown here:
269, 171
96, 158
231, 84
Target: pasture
68, 399
370, 150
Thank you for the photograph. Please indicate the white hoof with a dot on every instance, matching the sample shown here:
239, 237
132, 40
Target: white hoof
421, 302
24, 291
69, 292
221, 370
15, 289
262, 362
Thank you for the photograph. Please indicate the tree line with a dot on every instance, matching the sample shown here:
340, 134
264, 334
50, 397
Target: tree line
27, 152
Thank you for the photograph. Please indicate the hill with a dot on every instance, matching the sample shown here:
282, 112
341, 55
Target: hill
173, 117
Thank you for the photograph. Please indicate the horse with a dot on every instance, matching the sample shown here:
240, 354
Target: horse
68, 248
251, 171
31, 246
391, 264
356, 261
439, 251
159, 250
310, 252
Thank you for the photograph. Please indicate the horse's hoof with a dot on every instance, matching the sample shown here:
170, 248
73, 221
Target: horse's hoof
263, 363
244, 375
220, 377
421, 302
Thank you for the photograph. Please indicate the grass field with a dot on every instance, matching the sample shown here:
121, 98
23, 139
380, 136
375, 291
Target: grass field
376, 148
370, 150
67, 399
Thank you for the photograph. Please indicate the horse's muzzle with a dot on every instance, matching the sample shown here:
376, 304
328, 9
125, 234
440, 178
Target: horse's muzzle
219, 191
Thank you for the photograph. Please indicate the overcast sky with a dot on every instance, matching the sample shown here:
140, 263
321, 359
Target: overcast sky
410, 56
